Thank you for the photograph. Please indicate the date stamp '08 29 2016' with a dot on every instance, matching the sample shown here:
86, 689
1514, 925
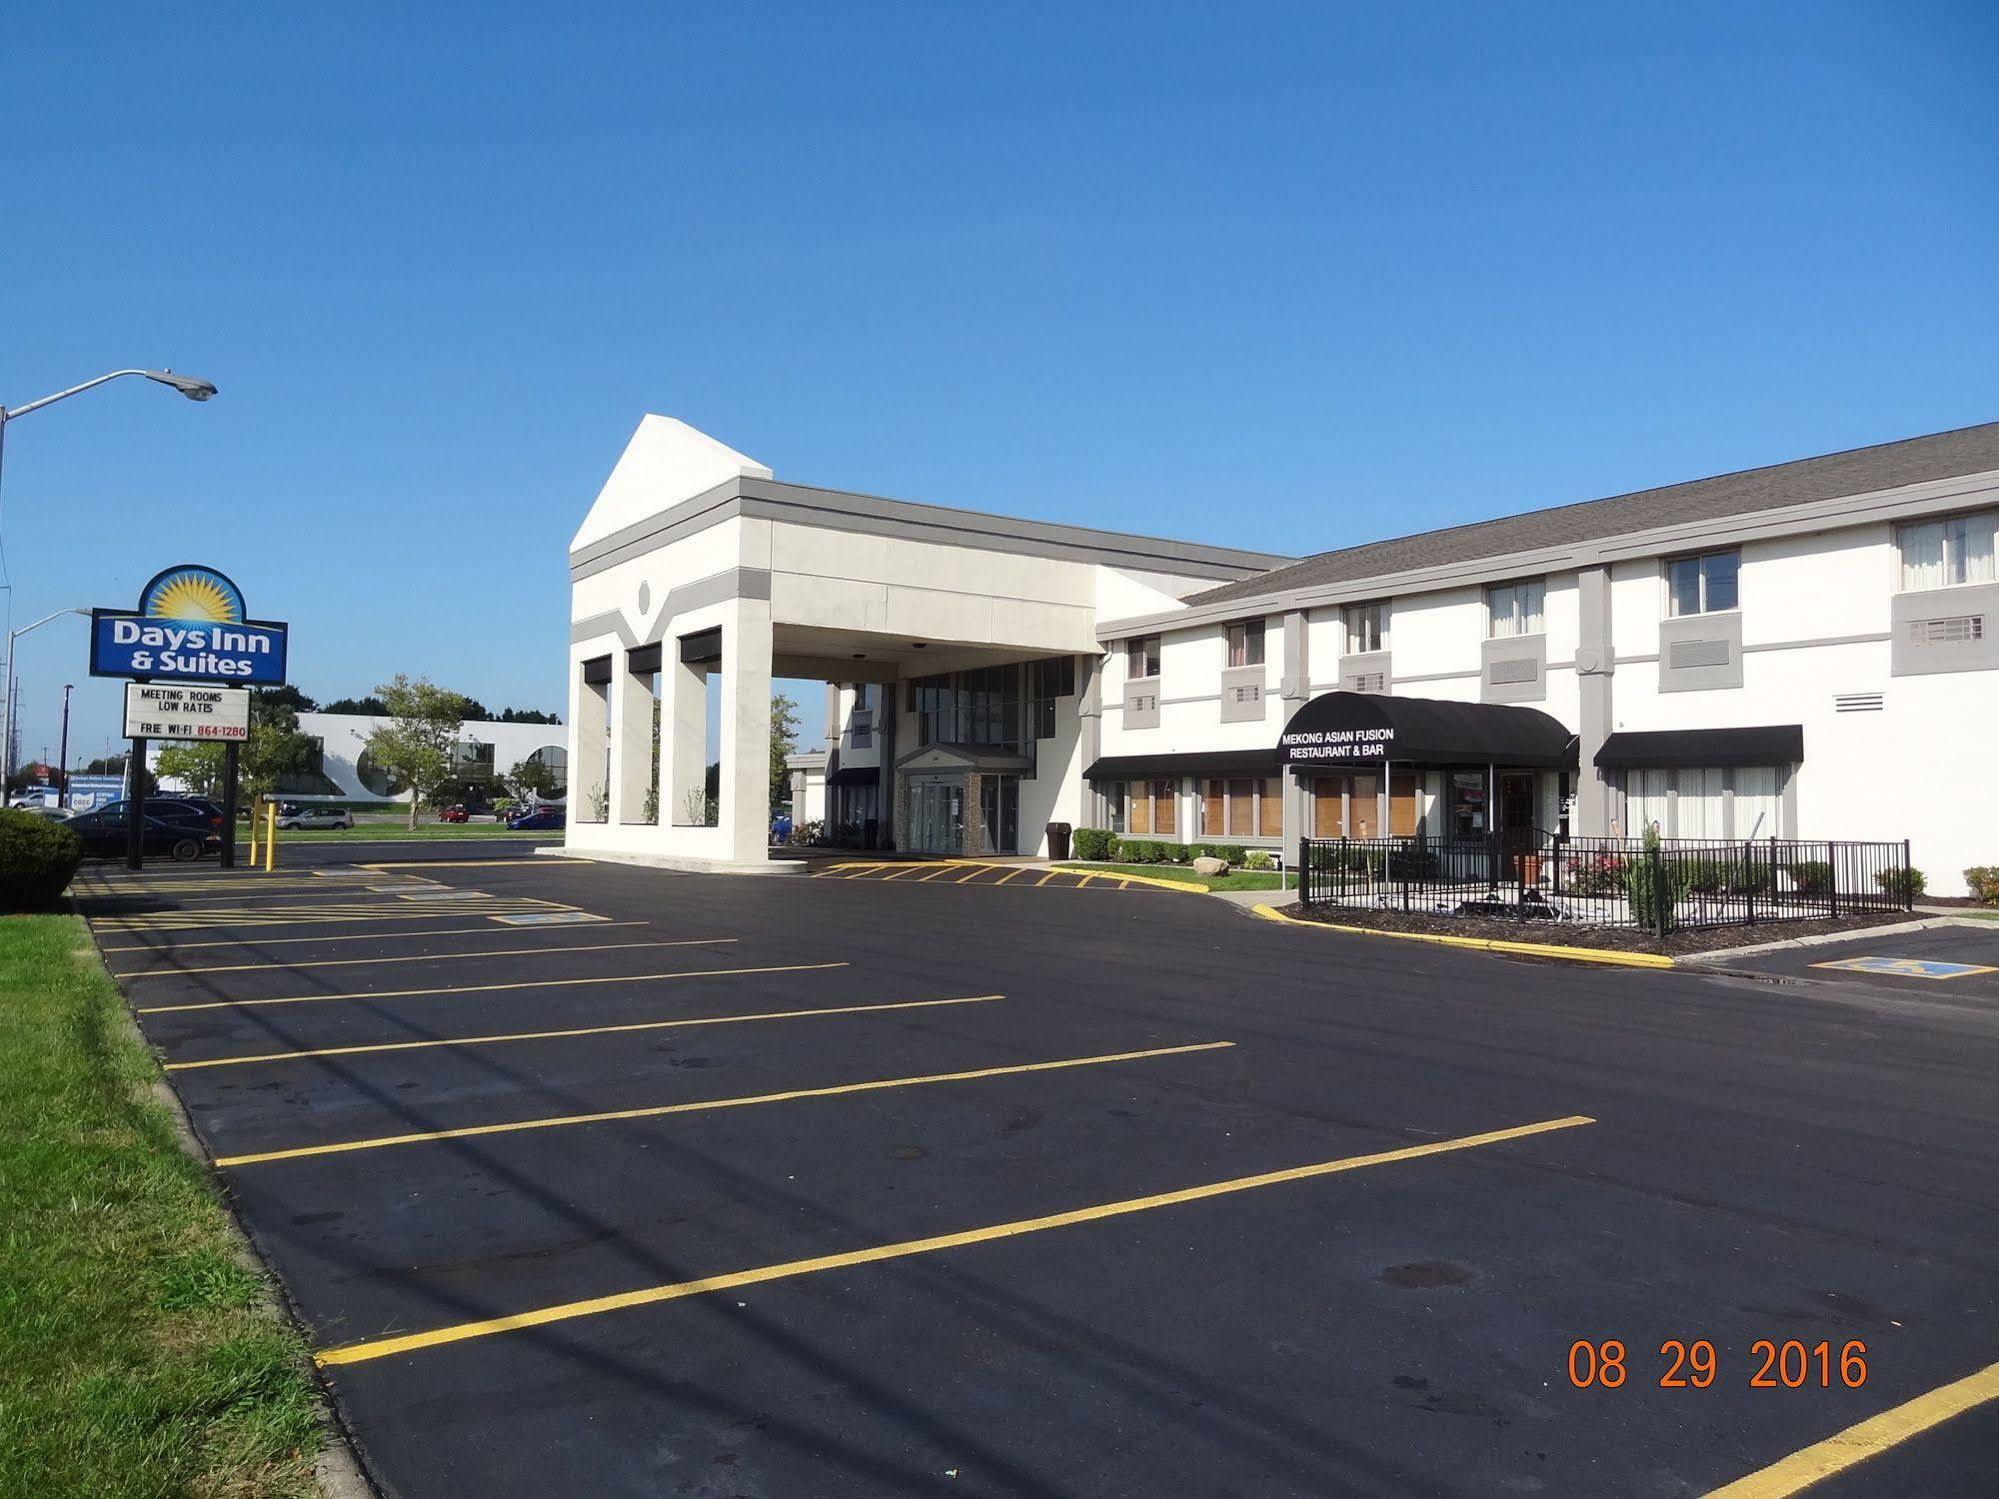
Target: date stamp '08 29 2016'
1693, 1364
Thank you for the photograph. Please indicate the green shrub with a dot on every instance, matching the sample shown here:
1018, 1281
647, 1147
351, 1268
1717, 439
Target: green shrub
1984, 882
1903, 884
38, 857
1654, 885
1092, 843
1256, 858
1813, 876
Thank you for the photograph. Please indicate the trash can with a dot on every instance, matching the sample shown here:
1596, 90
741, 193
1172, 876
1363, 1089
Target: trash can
1058, 840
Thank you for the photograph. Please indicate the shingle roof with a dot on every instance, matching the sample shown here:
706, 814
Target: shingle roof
1942, 455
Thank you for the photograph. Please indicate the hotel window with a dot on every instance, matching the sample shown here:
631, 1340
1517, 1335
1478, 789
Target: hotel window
862, 723
1141, 657
1704, 584
1941, 553
1515, 608
1246, 643
1694, 802
1367, 628
1243, 807
1148, 808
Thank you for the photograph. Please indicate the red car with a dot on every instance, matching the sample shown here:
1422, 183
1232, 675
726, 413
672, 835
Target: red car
454, 814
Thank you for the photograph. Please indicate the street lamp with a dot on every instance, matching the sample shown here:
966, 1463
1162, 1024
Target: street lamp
7, 718
187, 385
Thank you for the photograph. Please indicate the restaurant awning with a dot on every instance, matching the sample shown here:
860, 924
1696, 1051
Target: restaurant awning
1361, 728
855, 775
1242, 762
1658, 749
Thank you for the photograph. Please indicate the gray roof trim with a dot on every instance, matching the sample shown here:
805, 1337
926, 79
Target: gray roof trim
835, 509
1723, 497
1937, 496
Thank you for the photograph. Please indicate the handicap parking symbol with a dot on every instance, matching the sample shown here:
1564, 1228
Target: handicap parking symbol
1910, 968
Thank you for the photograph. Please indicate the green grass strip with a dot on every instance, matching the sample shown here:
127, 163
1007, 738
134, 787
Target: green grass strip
136, 1355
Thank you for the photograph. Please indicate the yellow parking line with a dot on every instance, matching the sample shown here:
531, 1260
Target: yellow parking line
1046, 878
658, 1111
530, 862
361, 896
431, 957
588, 1030
449, 931
614, 978
1011, 874
1865, 1439
940, 869
972, 874
356, 1353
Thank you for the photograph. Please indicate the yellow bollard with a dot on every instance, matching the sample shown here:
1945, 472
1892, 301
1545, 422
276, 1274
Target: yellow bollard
270, 836
253, 835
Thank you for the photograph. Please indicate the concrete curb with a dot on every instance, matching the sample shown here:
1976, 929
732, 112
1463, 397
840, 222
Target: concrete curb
337, 1469
1486, 944
1822, 939
1185, 887
673, 863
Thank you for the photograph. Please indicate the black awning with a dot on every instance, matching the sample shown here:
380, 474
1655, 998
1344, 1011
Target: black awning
855, 775
1657, 749
1243, 762
1365, 728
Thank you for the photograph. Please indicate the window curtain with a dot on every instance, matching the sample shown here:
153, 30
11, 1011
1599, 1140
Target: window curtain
1756, 802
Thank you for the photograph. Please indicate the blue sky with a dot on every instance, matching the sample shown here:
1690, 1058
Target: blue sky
1289, 277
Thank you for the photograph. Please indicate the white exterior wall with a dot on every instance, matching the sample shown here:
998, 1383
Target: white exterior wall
343, 736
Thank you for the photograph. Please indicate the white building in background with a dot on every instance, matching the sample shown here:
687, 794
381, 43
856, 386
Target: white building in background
1804, 650
340, 769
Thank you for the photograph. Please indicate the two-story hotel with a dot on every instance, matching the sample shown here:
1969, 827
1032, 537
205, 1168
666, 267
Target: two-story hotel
1803, 650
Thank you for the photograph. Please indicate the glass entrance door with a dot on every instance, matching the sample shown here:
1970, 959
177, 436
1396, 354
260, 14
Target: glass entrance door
937, 816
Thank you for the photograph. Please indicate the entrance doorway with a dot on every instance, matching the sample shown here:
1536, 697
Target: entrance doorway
937, 815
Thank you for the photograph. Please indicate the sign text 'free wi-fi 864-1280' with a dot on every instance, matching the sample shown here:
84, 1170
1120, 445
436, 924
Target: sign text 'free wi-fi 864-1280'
164, 710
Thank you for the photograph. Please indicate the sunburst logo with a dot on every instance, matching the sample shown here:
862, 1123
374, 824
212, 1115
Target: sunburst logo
197, 593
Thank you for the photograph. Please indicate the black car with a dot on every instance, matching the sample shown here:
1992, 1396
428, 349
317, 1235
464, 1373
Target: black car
179, 811
104, 833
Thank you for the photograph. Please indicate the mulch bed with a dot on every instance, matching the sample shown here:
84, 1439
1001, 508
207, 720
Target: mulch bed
1574, 934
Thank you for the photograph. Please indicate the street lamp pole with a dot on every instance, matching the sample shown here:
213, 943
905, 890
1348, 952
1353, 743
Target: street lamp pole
62, 754
195, 390
7, 718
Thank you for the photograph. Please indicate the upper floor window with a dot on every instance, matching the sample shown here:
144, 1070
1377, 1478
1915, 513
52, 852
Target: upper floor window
1704, 584
1141, 656
1367, 628
1939, 553
1246, 643
1515, 608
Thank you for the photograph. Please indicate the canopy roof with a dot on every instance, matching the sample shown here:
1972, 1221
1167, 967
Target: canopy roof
1654, 749
1367, 728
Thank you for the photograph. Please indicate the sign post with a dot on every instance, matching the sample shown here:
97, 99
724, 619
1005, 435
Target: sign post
189, 633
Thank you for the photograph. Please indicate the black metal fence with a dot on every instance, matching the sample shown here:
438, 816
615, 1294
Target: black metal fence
1529, 875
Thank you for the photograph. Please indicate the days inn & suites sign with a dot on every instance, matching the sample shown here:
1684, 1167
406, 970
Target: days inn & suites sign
190, 626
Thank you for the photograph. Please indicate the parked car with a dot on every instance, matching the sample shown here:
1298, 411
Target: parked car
180, 811
104, 834
316, 817
454, 813
540, 820
49, 810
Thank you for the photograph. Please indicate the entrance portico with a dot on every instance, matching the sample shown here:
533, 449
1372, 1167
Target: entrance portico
698, 580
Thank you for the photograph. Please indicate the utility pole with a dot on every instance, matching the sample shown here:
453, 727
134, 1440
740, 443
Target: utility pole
62, 755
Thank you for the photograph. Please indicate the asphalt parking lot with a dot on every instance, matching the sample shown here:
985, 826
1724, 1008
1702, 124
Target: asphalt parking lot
785, 1187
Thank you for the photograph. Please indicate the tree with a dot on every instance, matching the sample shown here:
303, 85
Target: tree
783, 740
527, 715
531, 781
289, 697
414, 745
364, 707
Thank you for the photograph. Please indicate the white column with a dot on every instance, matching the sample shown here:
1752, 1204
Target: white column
631, 741
746, 683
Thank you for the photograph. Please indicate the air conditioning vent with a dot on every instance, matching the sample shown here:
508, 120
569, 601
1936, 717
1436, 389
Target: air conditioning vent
1367, 681
1857, 702
1519, 669
1682, 655
1954, 629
